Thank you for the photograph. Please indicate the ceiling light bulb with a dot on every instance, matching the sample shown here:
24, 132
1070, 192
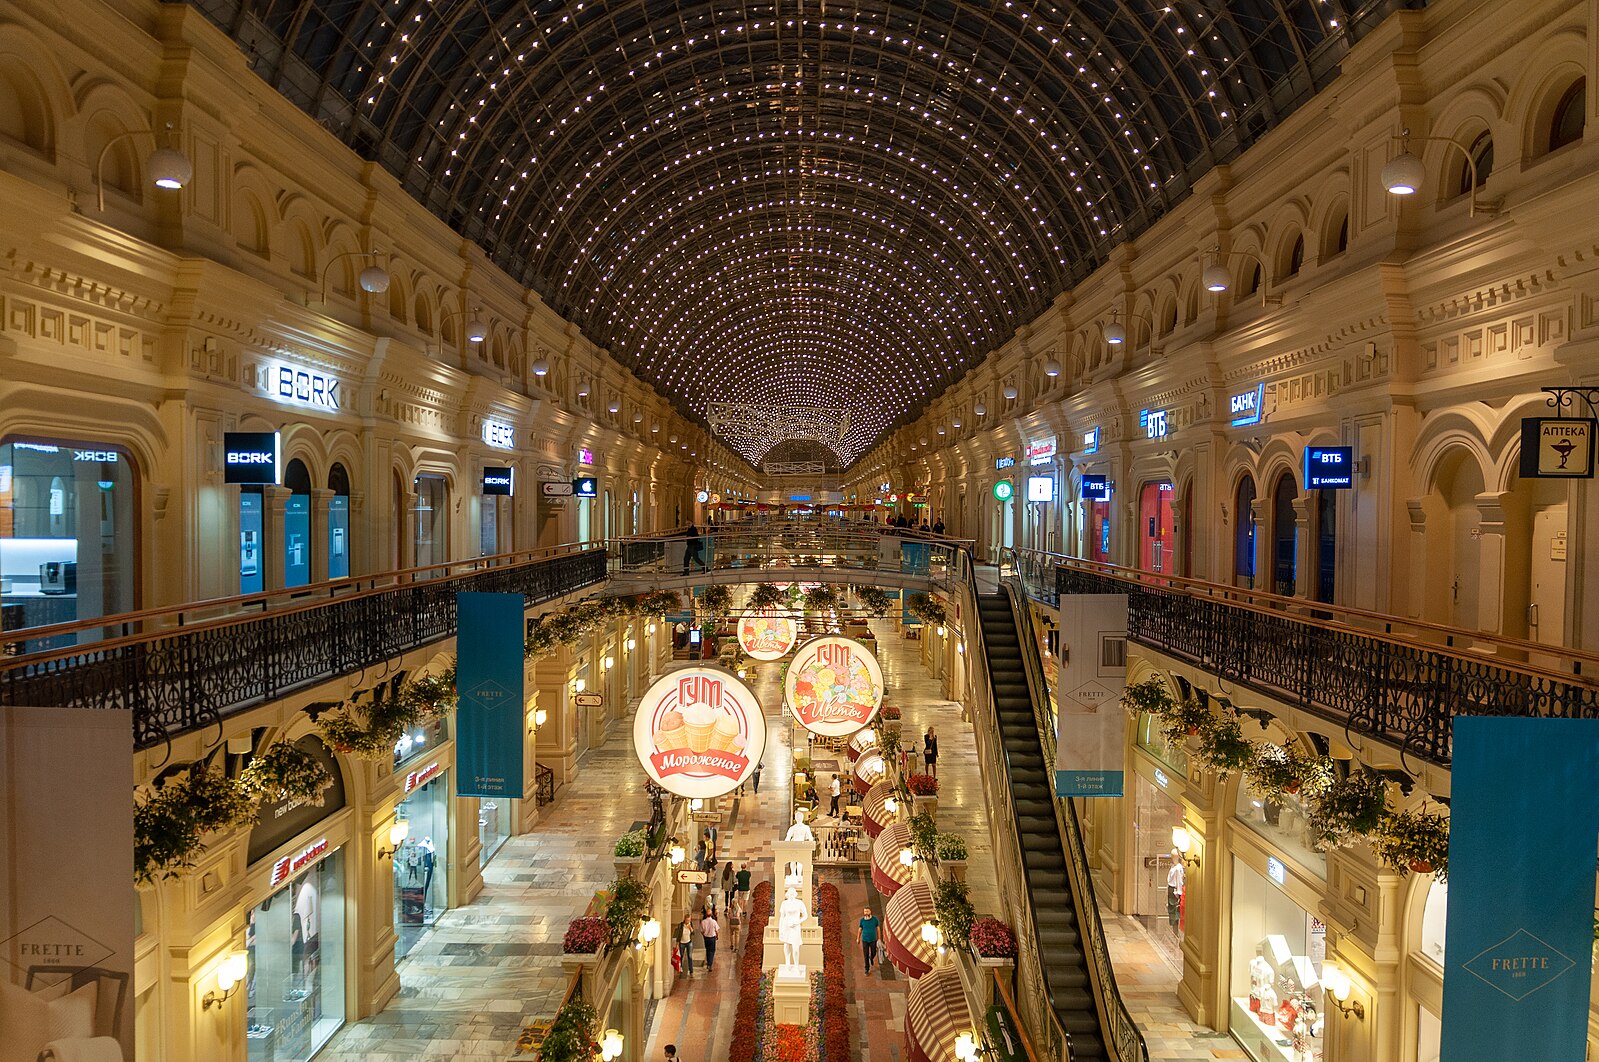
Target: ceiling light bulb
170, 168
1115, 334
1051, 368
375, 280
476, 331
615, 407
1010, 392
1215, 277
980, 409
1403, 174
541, 368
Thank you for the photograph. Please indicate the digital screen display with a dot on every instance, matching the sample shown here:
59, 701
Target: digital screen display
1041, 488
1329, 467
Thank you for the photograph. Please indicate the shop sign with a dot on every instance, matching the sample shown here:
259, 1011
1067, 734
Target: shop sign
1041, 452
1004, 490
280, 821
1096, 488
586, 487
589, 700
585, 456
252, 457
710, 818
1276, 871
699, 732
1161, 779
418, 779
498, 434
1153, 421
1004, 462
703, 496
1091, 441
499, 480
1040, 488
765, 636
302, 387
1247, 408
1557, 448
1329, 467
834, 687
291, 865
693, 877
556, 488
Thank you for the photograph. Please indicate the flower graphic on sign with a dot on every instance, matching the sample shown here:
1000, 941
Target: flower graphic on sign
834, 686
699, 732
765, 636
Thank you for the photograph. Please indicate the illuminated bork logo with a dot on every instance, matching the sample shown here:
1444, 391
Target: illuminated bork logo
700, 689
836, 657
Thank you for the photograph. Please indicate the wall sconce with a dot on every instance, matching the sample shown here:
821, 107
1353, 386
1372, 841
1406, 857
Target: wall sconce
1404, 173
677, 855
970, 1046
907, 857
1181, 842
960, 647
631, 644
169, 167
230, 975
932, 936
648, 933
476, 331
397, 835
890, 805
1217, 279
374, 279
940, 630
610, 662
1337, 984
579, 685
652, 628
696, 804
540, 717
611, 1045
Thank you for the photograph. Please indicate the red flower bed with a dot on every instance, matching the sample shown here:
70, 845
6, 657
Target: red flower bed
835, 1011
922, 784
746, 1026
789, 1045
584, 935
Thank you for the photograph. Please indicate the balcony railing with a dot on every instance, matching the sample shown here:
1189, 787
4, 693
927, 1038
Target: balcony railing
182, 669
777, 546
1399, 681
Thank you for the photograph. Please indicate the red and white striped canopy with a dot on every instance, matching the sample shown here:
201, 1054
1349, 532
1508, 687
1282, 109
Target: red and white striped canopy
888, 873
903, 917
863, 741
874, 815
936, 1012
869, 770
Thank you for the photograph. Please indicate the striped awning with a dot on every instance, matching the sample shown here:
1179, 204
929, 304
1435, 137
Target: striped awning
903, 917
869, 770
873, 814
935, 1013
863, 741
888, 873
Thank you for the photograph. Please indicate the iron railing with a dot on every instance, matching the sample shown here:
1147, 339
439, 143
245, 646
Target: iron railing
773, 546
1395, 688
1116, 1021
177, 679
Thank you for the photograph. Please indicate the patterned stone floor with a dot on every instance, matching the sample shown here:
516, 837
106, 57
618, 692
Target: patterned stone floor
1148, 982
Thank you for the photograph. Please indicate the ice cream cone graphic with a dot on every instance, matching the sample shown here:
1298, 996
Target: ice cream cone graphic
672, 733
701, 725
725, 733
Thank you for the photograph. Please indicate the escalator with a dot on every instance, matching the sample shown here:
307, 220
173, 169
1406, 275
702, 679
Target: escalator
1054, 910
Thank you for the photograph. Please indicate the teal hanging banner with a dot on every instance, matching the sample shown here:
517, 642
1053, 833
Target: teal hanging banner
488, 676
1524, 819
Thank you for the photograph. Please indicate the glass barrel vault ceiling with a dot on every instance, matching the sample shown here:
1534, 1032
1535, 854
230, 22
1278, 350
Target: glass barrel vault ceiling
823, 212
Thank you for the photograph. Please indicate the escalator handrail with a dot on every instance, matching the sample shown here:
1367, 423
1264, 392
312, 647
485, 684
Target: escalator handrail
1058, 1037
1126, 1039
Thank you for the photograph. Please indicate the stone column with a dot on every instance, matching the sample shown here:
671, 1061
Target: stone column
407, 530
1491, 561
319, 534
274, 500
1416, 607
557, 738
1304, 558
1259, 509
1203, 990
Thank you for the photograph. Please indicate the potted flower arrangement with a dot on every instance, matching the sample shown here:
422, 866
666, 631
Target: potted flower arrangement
1285, 770
285, 771
585, 936
717, 600
872, 599
924, 793
925, 607
955, 913
767, 595
924, 835
1223, 747
630, 903
890, 712
571, 1035
951, 851
822, 598
1414, 842
628, 853
993, 942
1348, 809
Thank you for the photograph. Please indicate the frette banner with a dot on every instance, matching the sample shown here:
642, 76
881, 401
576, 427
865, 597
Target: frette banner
699, 732
834, 687
765, 636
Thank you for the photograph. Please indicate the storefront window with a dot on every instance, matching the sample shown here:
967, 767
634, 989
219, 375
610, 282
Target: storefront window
432, 521
1285, 823
493, 825
1244, 534
421, 891
1157, 527
1161, 900
67, 549
1432, 921
1284, 536
1275, 984
297, 525
339, 523
1099, 531
1152, 741
295, 943
1429, 1035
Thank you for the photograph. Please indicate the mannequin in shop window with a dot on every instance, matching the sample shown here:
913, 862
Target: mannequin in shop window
1260, 978
307, 913
1176, 883
427, 865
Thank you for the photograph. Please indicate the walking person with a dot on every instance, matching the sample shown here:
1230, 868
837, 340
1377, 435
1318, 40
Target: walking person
671, 1053
758, 767
685, 944
735, 925
742, 880
691, 549
710, 929
836, 791
727, 884
930, 751
866, 933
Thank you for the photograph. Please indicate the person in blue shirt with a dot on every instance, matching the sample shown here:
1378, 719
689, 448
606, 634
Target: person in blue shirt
866, 933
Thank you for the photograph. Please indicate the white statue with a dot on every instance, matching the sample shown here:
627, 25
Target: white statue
791, 914
799, 831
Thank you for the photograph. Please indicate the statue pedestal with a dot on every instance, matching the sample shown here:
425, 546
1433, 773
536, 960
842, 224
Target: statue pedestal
791, 996
803, 853
810, 946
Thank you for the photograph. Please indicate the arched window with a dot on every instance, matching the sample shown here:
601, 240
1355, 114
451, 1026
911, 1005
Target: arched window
1168, 317
1244, 534
297, 524
1296, 256
338, 522
1482, 156
1566, 125
1252, 285
1341, 243
1284, 536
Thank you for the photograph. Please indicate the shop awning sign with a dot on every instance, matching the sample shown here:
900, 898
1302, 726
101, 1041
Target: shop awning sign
693, 877
556, 488
1557, 448
589, 700
291, 865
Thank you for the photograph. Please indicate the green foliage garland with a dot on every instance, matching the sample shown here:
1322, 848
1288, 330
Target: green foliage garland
1414, 841
926, 608
924, 834
767, 595
717, 600
170, 824
571, 1035
630, 902
1348, 809
955, 912
286, 772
